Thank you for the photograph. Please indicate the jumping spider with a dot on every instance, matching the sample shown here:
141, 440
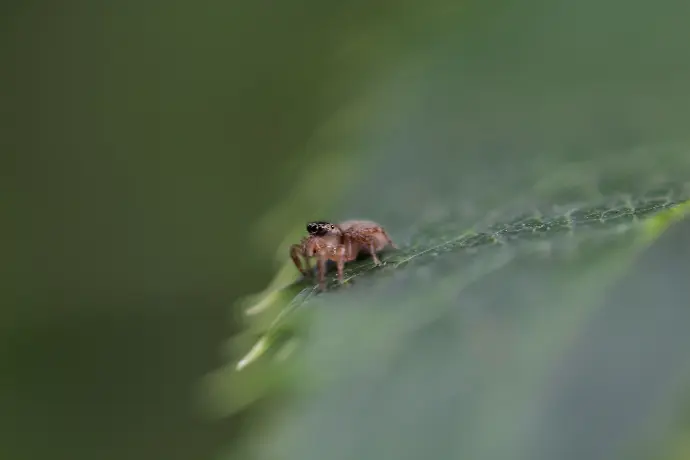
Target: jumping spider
340, 243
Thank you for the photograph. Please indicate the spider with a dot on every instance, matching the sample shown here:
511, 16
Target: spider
341, 243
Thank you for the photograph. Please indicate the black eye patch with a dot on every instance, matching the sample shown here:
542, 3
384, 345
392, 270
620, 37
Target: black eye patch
318, 228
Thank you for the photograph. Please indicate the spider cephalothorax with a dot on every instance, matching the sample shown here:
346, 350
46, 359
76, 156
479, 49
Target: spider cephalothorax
340, 243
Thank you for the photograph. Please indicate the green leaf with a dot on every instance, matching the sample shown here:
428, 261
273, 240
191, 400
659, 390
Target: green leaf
458, 344
536, 232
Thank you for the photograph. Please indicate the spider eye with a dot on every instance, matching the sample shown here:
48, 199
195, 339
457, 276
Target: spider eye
318, 228
332, 227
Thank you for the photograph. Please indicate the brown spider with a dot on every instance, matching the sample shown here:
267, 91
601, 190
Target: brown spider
340, 243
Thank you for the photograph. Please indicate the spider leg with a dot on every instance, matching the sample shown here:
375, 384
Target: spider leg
367, 240
312, 247
340, 257
296, 250
307, 266
371, 245
388, 238
322, 270
350, 251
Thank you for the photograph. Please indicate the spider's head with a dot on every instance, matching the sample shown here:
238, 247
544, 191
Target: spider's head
320, 228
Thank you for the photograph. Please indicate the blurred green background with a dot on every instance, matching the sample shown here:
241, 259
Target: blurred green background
159, 156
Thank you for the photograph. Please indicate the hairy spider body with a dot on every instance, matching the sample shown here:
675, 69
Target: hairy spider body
340, 243
364, 236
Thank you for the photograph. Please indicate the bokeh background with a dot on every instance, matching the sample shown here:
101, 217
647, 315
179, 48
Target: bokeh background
158, 157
